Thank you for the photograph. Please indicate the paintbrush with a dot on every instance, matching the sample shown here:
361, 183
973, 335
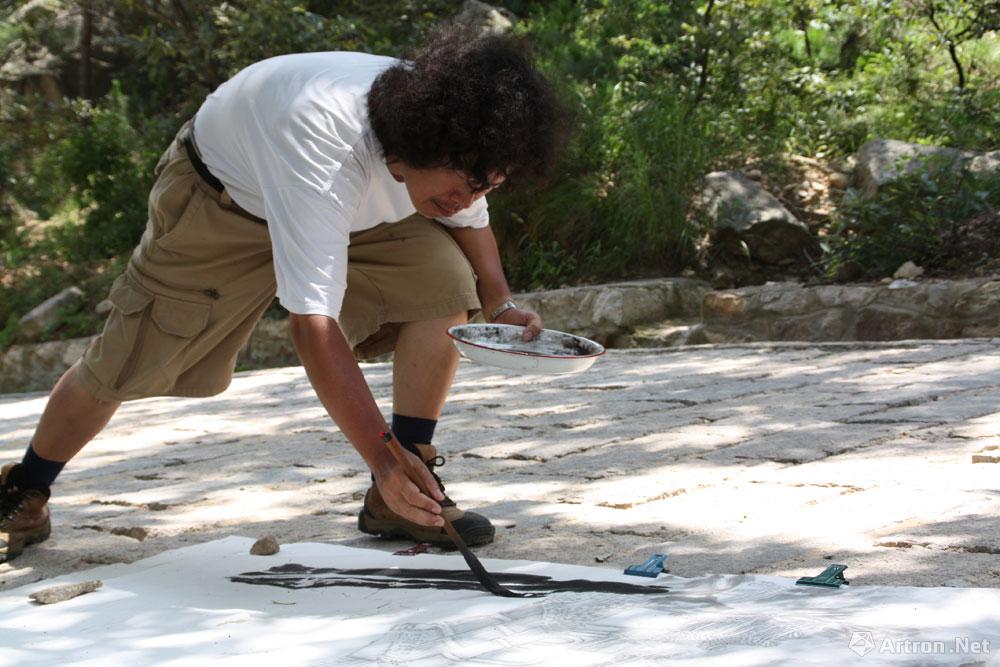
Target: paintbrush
484, 577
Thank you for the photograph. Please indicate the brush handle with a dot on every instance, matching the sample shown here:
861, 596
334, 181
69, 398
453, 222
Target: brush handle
485, 578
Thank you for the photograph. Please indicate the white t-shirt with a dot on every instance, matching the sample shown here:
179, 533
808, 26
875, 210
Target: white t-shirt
289, 138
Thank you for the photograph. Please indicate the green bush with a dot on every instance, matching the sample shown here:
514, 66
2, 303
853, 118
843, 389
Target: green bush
665, 92
915, 218
108, 164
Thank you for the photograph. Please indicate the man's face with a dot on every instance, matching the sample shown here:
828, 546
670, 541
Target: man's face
438, 192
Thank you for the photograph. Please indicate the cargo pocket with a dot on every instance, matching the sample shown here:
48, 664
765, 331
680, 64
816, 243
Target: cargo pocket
160, 329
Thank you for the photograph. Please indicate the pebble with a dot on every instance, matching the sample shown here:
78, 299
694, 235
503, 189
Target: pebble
65, 592
136, 533
839, 181
908, 270
265, 546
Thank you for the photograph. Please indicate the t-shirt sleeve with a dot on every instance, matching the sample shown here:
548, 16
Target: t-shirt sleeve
476, 216
310, 232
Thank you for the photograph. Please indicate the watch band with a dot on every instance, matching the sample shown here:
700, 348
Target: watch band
501, 309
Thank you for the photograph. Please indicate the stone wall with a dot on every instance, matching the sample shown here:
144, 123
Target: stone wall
896, 311
660, 312
604, 311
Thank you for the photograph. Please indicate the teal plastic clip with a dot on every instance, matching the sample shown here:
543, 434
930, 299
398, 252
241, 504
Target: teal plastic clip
831, 577
651, 568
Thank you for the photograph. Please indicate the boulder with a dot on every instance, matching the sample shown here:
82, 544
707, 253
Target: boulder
908, 271
48, 64
47, 314
486, 18
742, 212
986, 162
882, 161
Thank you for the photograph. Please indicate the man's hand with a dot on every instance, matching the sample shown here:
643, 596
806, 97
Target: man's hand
342, 389
524, 318
405, 498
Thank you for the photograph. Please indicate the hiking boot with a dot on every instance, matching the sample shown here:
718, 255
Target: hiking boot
24, 515
376, 518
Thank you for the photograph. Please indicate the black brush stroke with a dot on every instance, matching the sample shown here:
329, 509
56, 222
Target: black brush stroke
295, 576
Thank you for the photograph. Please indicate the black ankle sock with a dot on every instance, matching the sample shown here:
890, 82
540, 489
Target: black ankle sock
413, 430
39, 473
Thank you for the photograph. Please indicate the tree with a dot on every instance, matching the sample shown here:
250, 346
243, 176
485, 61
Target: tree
956, 21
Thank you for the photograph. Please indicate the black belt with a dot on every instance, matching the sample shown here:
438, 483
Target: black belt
226, 201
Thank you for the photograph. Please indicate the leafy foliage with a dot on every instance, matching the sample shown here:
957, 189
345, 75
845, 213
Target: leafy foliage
664, 92
915, 218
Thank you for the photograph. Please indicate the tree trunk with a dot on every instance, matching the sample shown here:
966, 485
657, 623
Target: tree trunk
953, 52
703, 61
800, 16
86, 77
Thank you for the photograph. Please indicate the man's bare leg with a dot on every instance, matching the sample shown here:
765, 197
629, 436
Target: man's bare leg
424, 366
71, 419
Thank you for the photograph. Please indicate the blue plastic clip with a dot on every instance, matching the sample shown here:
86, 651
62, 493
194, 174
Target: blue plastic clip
651, 568
831, 577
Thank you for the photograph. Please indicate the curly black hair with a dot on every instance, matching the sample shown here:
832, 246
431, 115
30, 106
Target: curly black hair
474, 103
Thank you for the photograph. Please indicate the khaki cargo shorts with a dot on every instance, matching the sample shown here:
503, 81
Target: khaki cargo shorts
202, 276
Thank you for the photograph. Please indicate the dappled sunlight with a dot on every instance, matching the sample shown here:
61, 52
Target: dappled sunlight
184, 606
730, 459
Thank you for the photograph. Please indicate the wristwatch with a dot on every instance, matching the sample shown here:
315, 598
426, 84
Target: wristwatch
501, 309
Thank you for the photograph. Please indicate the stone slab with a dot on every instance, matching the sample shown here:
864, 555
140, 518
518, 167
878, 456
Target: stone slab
762, 458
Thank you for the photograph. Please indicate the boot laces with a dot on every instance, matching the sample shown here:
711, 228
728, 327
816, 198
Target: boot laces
11, 498
437, 461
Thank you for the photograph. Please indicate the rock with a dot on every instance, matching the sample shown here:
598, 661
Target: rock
606, 310
721, 306
839, 181
883, 323
65, 592
882, 161
982, 302
103, 309
754, 174
46, 315
486, 18
668, 334
985, 163
908, 270
742, 212
37, 366
265, 546
269, 345
47, 63
136, 533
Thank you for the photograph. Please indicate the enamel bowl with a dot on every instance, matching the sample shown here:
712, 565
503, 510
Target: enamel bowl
501, 345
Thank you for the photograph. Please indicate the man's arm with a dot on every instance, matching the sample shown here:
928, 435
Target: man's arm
341, 387
480, 246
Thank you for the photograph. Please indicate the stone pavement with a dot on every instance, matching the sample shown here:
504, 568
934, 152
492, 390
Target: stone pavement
766, 458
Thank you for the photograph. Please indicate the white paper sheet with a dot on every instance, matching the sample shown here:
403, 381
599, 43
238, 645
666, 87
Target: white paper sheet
326, 604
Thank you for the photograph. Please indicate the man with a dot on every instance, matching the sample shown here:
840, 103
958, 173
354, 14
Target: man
352, 186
